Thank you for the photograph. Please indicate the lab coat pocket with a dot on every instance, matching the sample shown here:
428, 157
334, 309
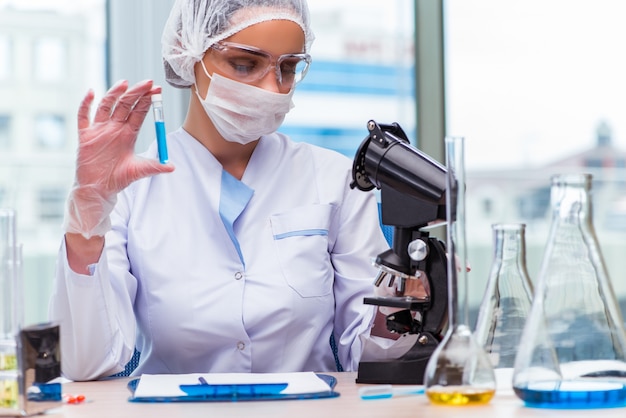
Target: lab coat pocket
301, 242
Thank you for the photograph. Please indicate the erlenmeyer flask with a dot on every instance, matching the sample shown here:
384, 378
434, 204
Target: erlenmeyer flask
573, 345
507, 298
459, 371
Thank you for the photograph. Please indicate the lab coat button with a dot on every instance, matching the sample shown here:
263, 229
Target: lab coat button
238, 275
241, 345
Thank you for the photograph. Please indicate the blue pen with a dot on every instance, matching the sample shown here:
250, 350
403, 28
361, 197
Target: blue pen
388, 391
159, 123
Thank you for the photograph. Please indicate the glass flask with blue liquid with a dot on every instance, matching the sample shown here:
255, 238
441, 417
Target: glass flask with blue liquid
572, 352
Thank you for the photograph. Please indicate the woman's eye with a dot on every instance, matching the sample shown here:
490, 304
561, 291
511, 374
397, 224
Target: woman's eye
288, 69
244, 66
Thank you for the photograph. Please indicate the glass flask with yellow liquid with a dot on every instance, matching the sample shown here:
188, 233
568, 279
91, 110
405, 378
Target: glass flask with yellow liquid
459, 371
572, 351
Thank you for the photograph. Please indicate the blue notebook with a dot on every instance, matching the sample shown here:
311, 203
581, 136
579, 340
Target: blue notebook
232, 387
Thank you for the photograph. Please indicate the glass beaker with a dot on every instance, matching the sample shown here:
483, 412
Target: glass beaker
459, 371
507, 299
573, 346
10, 310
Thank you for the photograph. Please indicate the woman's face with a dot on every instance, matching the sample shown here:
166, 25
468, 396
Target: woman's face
274, 37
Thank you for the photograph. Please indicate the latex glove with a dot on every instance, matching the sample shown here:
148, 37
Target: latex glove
106, 161
416, 287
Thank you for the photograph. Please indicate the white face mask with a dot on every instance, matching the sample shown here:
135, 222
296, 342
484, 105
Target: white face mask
243, 113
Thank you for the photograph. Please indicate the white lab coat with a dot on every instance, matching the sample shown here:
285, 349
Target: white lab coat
193, 297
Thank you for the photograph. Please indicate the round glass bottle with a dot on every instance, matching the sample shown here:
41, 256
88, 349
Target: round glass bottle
459, 371
573, 345
507, 299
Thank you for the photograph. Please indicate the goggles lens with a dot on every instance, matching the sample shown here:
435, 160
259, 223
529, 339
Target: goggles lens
249, 64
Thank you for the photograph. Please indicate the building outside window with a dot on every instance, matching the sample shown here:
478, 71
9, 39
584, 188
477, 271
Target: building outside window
533, 101
52, 204
5, 131
363, 68
51, 53
50, 59
50, 131
6, 60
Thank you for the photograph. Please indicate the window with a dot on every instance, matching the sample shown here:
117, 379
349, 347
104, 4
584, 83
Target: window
50, 59
52, 204
362, 69
5, 131
50, 131
61, 47
6, 60
537, 88
488, 206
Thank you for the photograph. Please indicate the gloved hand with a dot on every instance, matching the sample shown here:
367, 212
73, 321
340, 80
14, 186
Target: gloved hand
416, 287
106, 161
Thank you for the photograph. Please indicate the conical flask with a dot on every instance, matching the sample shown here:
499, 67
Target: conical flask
507, 299
459, 371
573, 345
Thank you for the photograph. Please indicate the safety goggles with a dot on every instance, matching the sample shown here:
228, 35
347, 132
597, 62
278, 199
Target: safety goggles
249, 64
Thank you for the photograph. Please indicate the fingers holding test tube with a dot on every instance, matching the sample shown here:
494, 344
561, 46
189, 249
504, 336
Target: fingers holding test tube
106, 161
106, 153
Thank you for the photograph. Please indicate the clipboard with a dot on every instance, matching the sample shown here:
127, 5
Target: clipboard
236, 392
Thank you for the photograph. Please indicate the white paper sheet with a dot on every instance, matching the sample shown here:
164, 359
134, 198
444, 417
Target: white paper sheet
168, 385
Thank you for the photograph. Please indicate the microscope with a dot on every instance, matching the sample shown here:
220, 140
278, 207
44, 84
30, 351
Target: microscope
413, 199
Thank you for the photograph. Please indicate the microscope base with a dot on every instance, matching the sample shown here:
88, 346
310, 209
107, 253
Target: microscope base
395, 372
406, 370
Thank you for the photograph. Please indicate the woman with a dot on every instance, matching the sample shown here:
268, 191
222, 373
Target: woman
252, 252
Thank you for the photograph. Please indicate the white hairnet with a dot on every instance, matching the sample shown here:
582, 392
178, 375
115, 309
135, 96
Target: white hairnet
194, 25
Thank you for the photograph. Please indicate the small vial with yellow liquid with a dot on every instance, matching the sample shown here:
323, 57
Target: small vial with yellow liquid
8, 375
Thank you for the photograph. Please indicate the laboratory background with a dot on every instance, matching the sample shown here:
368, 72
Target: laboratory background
536, 88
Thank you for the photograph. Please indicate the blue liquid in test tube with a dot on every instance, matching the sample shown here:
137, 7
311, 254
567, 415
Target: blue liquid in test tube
159, 123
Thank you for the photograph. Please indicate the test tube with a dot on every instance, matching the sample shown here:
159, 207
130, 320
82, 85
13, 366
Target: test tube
159, 124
